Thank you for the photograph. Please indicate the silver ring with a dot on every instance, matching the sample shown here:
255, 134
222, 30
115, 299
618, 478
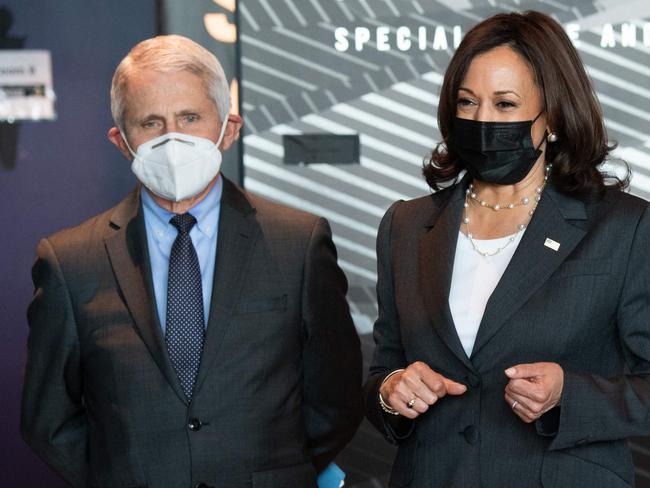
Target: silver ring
514, 404
411, 402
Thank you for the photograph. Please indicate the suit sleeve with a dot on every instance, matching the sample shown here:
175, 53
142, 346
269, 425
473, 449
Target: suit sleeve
331, 352
389, 353
594, 408
53, 420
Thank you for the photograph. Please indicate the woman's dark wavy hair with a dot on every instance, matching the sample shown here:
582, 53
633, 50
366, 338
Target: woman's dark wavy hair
572, 108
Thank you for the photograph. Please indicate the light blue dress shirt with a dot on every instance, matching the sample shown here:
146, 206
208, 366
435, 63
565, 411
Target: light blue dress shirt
160, 238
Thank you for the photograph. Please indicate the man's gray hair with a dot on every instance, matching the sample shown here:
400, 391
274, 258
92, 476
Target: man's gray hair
165, 54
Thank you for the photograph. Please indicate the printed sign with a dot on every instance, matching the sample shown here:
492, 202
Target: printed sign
26, 91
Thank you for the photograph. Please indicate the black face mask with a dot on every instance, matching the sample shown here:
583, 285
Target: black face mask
495, 152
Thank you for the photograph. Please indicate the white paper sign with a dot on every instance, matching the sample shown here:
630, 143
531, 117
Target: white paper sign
26, 91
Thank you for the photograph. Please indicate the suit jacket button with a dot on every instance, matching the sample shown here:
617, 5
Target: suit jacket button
474, 381
194, 424
471, 434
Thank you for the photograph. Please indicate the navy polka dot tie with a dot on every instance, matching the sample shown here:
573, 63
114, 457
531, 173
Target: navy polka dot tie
185, 329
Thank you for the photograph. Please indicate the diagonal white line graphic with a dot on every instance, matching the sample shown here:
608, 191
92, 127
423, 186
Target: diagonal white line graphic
400, 109
379, 123
294, 58
279, 172
296, 12
297, 202
277, 73
248, 17
321, 12
613, 58
620, 83
328, 49
271, 13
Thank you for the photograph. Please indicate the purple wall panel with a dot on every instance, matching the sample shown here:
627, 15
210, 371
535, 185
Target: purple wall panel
66, 171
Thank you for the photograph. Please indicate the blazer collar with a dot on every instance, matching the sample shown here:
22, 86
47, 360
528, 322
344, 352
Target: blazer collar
126, 245
454, 196
557, 217
571, 209
436, 261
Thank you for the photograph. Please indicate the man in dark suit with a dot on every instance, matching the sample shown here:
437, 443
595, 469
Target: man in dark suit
195, 334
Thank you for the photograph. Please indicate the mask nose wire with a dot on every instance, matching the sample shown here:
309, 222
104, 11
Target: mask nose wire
187, 143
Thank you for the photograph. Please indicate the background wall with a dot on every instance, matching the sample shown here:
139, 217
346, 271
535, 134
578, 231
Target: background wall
66, 171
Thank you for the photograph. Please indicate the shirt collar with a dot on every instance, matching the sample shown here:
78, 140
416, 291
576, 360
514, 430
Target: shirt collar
206, 212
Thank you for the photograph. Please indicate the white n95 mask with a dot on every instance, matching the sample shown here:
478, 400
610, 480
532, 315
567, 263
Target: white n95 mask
177, 166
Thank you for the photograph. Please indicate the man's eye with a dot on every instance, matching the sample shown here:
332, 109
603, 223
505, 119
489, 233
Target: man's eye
188, 119
150, 124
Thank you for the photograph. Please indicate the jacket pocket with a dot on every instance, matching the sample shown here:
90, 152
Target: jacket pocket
263, 305
298, 476
580, 267
561, 469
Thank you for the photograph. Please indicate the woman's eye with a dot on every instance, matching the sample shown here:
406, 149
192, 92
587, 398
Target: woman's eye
463, 102
506, 104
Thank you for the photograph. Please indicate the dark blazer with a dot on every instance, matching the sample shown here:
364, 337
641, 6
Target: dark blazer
278, 392
585, 306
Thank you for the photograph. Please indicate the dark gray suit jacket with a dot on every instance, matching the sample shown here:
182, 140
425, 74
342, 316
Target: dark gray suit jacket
585, 306
278, 392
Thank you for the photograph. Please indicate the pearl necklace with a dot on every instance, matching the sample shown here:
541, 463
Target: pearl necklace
469, 193
497, 206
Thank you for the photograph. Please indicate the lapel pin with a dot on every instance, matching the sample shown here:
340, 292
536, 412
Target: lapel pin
551, 244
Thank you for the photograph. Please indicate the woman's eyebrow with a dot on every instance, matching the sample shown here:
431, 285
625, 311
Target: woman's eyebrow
499, 92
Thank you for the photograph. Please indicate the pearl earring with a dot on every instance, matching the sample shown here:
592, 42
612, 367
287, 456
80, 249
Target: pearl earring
551, 137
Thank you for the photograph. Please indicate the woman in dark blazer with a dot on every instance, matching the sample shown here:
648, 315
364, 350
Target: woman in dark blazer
513, 338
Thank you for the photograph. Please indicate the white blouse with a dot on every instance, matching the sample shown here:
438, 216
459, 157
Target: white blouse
474, 278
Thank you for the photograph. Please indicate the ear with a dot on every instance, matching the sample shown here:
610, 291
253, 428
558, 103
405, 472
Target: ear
235, 123
115, 137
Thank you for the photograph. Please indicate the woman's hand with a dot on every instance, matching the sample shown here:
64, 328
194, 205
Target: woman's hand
534, 389
418, 386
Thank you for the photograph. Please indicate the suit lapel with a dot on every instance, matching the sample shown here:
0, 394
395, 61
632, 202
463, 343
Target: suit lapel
129, 258
238, 231
558, 218
436, 256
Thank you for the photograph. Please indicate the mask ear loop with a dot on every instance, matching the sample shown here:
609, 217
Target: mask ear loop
545, 131
223, 132
542, 141
127, 144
